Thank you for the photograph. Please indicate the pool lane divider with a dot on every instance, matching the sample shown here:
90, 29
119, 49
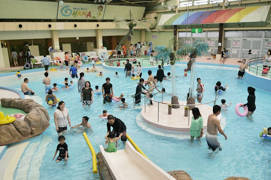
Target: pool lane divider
93, 153
135, 146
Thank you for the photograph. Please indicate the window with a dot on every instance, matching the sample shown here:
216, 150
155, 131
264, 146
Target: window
200, 2
215, 1
185, 3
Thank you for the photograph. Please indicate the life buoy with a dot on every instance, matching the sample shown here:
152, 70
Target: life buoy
27, 66
237, 107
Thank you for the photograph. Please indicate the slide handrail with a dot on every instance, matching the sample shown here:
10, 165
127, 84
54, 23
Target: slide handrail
135, 146
94, 158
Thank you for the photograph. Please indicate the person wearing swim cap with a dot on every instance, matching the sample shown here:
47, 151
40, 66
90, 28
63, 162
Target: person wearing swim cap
213, 127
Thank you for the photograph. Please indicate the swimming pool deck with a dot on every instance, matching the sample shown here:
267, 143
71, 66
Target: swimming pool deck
8, 94
175, 121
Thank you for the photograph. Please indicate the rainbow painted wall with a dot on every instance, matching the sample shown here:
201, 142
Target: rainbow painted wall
236, 15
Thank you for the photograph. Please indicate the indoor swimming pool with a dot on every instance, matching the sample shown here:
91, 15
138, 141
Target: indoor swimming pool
243, 154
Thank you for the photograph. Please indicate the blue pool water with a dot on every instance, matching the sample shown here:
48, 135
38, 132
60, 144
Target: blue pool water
244, 153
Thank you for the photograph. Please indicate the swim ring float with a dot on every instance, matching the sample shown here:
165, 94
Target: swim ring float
115, 99
237, 107
98, 62
6, 119
135, 78
53, 69
264, 134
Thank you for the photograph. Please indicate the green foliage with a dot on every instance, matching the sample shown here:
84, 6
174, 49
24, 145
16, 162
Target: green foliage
197, 48
163, 53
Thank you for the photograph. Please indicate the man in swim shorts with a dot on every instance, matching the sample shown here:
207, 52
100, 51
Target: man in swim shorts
213, 127
107, 90
25, 89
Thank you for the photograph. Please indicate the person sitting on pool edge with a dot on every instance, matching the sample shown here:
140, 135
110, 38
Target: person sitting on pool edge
119, 128
62, 147
111, 140
84, 123
50, 98
25, 89
104, 114
107, 91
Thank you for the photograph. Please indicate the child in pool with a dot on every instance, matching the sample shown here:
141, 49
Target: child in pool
111, 140
223, 105
18, 74
168, 77
55, 88
104, 114
84, 123
50, 98
88, 70
97, 90
93, 69
196, 127
62, 147
100, 74
66, 80
218, 87
123, 103
71, 83
66, 86
119, 98
117, 74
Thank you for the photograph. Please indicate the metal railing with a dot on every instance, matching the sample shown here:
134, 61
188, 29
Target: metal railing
256, 66
182, 107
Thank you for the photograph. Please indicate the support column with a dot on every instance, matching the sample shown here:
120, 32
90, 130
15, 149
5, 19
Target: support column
55, 40
4, 58
143, 35
220, 38
99, 38
175, 38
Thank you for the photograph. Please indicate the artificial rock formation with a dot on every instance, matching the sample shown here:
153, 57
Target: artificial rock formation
33, 124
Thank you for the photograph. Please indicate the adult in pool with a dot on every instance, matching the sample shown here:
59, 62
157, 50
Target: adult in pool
242, 69
25, 89
139, 91
128, 68
61, 118
250, 101
119, 128
81, 82
196, 128
87, 94
160, 74
107, 91
213, 127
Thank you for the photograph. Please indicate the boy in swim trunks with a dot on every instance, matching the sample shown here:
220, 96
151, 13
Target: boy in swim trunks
55, 88
47, 82
213, 127
62, 147
111, 140
104, 115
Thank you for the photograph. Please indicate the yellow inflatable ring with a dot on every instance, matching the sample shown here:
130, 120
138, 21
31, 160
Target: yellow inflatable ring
99, 62
135, 78
6, 119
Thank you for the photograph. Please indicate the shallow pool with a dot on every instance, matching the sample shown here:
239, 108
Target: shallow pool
244, 153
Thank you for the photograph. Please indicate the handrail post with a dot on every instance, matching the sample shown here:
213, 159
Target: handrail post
257, 71
158, 113
145, 104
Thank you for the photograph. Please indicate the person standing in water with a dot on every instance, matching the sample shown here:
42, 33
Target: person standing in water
160, 74
139, 91
200, 88
128, 68
81, 83
250, 101
213, 127
107, 91
242, 69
